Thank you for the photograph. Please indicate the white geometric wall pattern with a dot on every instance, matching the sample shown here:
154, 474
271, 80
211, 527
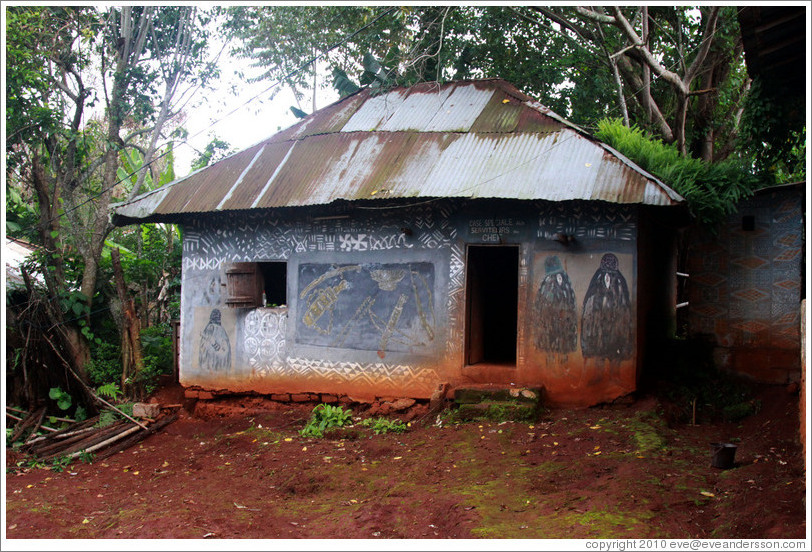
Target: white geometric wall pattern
209, 243
354, 372
264, 341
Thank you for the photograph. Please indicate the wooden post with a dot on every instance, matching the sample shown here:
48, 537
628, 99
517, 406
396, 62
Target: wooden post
131, 355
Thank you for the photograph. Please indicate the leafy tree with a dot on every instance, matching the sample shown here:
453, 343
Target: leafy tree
215, 150
283, 39
676, 71
138, 65
772, 130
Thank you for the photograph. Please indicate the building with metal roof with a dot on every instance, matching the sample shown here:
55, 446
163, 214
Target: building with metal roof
457, 233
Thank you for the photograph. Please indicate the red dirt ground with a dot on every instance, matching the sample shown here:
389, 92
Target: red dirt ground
239, 469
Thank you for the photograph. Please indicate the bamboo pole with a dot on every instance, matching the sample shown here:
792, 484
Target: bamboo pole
59, 449
105, 443
61, 436
137, 437
68, 431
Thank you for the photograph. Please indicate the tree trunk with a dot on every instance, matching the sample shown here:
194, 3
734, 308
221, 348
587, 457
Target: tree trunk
131, 355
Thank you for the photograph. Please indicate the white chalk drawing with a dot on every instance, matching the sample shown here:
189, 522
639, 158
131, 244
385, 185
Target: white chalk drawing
264, 341
359, 242
376, 373
209, 244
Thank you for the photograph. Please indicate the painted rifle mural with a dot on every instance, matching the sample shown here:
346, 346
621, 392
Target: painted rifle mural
377, 307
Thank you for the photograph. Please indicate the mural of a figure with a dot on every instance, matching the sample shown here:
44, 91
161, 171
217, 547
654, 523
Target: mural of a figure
606, 319
557, 321
215, 349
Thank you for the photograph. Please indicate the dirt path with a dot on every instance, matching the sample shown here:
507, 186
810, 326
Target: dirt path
601, 472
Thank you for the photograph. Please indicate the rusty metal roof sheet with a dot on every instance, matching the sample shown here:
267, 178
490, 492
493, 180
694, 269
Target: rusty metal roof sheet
473, 139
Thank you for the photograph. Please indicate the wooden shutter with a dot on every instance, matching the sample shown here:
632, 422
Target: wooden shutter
244, 285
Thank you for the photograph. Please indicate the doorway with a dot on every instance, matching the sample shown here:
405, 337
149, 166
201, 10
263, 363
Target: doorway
491, 304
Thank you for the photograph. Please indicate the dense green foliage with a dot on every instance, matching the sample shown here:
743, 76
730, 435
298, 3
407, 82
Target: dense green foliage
325, 417
773, 132
710, 189
93, 98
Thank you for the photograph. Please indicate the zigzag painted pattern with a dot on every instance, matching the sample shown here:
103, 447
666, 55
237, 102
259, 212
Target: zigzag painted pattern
352, 372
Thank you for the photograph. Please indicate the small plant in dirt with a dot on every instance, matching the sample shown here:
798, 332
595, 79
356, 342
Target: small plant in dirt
32, 463
86, 457
382, 425
60, 463
324, 417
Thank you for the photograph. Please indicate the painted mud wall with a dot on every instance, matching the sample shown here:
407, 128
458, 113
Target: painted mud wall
376, 302
745, 286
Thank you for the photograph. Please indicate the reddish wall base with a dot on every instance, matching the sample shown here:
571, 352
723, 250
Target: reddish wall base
762, 364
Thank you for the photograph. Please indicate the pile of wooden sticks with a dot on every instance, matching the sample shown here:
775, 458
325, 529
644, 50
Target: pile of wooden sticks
81, 437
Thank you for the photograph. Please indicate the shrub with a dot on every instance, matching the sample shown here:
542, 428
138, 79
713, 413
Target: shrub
711, 190
105, 364
382, 425
324, 417
156, 342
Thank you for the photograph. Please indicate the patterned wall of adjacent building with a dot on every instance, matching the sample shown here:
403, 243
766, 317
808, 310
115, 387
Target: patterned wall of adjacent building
746, 283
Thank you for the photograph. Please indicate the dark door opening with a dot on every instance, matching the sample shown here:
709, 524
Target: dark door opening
492, 296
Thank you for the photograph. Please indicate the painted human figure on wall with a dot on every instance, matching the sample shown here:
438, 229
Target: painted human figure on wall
556, 319
215, 349
606, 319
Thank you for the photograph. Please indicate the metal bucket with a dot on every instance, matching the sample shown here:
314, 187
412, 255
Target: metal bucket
723, 455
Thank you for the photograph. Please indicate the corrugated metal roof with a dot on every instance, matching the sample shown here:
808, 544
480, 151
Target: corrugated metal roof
474, 139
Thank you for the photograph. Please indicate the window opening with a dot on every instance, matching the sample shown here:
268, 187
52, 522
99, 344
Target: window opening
275, 283
252, 285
